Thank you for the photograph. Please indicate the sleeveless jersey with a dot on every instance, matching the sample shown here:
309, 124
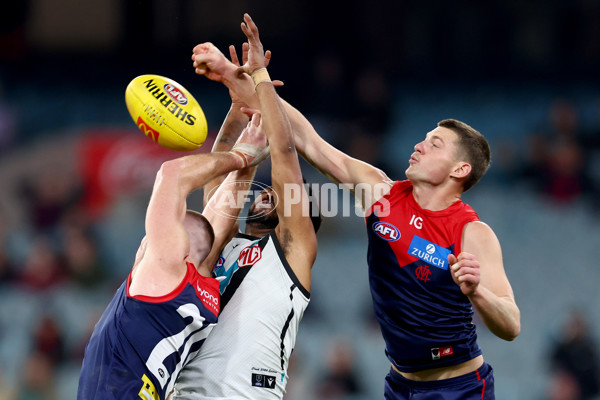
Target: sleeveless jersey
247, 354
141, 343
425, 319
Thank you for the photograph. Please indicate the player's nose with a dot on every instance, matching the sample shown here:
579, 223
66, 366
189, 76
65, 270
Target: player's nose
419, 147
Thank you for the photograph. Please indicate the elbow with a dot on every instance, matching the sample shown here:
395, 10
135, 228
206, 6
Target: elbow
180, 172
512, 331
516, 330
512, 334
170, 170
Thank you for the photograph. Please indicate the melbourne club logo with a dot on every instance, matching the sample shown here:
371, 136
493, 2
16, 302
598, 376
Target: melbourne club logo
423, 273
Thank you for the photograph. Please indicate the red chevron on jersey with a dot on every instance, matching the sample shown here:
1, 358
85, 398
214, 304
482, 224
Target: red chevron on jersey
416, 301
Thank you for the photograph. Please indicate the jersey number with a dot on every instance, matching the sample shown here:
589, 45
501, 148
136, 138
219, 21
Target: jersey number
187, 337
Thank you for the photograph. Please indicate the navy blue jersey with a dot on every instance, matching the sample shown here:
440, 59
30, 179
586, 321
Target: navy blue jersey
141, 343
425, 319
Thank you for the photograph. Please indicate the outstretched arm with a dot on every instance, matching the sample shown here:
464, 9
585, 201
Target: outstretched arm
225, 205
232, 126
479, 272
295, 230
167, 243
336, 165
331, 162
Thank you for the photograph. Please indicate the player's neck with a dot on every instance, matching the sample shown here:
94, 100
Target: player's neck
202, 268
256, 231
435, 198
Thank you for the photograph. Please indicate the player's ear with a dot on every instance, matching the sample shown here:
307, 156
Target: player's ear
461, 170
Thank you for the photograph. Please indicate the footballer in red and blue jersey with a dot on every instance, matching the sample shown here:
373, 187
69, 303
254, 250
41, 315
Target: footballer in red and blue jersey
141, 343
425, 319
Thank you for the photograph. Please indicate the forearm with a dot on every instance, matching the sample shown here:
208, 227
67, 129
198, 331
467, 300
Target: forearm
232, 126
197, 170
275, 120
500, 314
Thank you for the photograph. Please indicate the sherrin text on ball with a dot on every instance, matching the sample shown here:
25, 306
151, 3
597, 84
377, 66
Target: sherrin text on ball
166, 112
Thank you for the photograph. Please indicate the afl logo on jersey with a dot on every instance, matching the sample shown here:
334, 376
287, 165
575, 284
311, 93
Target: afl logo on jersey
386, 231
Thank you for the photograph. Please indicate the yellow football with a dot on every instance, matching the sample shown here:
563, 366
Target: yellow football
166, 112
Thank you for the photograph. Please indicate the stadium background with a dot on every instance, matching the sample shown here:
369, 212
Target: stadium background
373, 78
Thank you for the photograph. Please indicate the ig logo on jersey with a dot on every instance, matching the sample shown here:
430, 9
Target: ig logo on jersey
386, 231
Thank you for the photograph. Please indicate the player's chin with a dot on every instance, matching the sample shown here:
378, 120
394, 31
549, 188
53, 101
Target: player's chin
263, 220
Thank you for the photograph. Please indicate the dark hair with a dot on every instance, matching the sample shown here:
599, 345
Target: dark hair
472, 147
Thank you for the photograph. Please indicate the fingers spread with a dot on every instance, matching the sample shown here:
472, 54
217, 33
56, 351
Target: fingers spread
251, 25
245, 47
233, 55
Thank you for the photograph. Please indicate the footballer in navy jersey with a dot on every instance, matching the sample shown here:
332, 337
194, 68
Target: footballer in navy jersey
160, 316
432, 262
425, 319
141, 343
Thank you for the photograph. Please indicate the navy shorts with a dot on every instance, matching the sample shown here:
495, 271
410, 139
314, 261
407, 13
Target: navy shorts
477, 385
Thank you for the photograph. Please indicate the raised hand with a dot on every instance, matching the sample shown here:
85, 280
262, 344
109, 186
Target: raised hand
245, 47
210, 62
252, 146
256, 58
235, 98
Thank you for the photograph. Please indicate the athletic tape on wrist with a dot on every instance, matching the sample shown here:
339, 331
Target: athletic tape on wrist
259, 76
241, 156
